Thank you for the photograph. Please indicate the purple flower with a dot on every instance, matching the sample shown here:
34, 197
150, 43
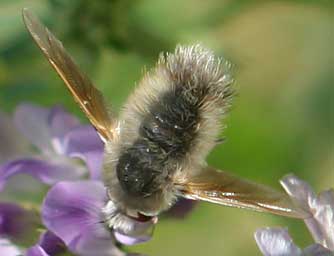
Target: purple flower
59, 138
17, 223
77, 214
36, 251
74, 212
48, 245
51, 244
182, 208
276, 241
9, 249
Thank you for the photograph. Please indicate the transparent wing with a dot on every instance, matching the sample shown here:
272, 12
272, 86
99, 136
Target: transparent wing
220, 187
84, 92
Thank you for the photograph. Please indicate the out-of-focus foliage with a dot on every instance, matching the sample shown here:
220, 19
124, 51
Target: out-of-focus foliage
283, 117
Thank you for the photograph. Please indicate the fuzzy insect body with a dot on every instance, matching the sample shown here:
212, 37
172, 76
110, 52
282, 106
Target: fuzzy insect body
167, 127
155, 150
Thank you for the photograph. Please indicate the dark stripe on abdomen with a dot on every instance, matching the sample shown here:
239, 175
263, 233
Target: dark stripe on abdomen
172, 124
166, 134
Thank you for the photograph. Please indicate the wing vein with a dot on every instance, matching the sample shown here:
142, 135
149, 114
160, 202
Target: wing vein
82, 89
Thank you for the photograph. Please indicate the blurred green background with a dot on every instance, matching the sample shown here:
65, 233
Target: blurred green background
282, 119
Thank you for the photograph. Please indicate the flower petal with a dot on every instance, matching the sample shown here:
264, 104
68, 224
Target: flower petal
51, 244
182, 208
17, 223
132, 240
84, 143
321, 209
32, 122
72, 211
93, 243
8, 249
36, 251
317, 250
60, 123
298, 190
46, 172
12, 142
275, 242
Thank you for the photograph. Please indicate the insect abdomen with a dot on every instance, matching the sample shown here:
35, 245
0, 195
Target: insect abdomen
166, 135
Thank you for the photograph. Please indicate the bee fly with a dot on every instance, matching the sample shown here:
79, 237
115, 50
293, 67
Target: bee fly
155, 150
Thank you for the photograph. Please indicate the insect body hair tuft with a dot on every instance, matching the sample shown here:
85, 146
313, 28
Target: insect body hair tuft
197, 69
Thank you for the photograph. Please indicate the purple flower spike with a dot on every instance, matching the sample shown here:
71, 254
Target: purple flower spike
72, 211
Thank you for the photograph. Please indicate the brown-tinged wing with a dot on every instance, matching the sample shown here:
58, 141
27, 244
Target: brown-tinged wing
84, 92
220, 187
